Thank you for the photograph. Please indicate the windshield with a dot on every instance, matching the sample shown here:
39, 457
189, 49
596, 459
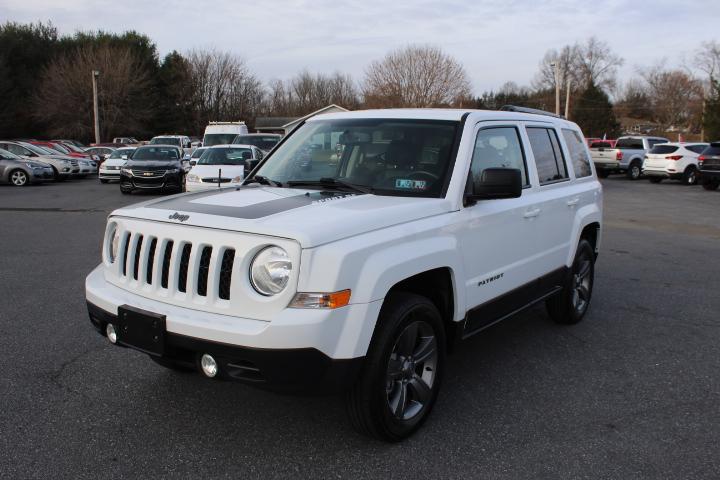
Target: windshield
5, 155
156, 153
397, 157
212, 139
262, 142
122, 151
57, 147
197, 152
225, 156
39, 150
72, 147
165, 141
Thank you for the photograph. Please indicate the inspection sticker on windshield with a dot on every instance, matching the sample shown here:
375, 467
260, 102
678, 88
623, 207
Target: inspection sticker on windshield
411, 184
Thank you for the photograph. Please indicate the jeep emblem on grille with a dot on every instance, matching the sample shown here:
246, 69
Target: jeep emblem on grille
177, 216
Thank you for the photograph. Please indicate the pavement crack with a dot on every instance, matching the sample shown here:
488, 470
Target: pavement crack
56, 376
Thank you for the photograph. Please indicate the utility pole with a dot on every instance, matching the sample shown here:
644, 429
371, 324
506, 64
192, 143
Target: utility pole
95, 75
556, 66
567, 101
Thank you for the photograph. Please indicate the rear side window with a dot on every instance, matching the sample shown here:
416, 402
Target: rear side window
549, 159
498, 147
660, 149
630, 144
578, 153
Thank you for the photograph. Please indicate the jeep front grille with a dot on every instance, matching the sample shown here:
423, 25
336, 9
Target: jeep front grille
177, 266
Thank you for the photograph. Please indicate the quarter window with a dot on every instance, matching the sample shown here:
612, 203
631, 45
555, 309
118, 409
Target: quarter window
578, 153
548, 156
498, 147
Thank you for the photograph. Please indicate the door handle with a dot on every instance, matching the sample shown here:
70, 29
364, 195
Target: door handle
573, 202
531, 213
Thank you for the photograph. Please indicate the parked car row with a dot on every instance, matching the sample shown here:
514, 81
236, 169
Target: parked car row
657, 159
64, 163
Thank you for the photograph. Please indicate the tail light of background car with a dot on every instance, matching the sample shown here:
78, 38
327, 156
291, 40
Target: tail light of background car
618, 156
673, 157
701, 159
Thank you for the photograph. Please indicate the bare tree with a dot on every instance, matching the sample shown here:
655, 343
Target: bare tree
223, 86
596, 63
675, 97
64, 97
581, 64
415, 76
306, 93
707, 58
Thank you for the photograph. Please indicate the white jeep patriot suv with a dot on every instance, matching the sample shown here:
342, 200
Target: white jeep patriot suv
356, 253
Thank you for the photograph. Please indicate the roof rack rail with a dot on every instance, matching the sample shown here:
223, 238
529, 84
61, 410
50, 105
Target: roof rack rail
513, 108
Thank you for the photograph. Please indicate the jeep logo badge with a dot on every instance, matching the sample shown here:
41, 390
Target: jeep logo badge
177, 216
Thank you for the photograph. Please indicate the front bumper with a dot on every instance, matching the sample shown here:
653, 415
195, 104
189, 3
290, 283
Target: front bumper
109, 174
169, 180
301, 349
42, 175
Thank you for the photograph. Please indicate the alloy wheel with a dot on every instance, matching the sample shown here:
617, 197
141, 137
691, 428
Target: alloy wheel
582, 284
411, 370
19, 178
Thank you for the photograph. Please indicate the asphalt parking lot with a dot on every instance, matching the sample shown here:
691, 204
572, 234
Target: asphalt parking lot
631, 392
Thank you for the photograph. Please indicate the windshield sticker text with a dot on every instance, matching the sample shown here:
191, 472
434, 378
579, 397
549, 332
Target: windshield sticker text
410, 184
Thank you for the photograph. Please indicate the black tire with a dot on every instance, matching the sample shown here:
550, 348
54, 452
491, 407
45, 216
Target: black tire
711, 184
634, 171
690, 176
170, 365
125, 191
104, 180
564, 307
57, 177
603, 173
655, 179
19, 178
407, 323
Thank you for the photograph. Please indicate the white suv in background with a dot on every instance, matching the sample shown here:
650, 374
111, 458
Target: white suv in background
356, 253
678, 161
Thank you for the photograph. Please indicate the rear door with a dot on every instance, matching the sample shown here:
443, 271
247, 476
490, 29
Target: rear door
556, 200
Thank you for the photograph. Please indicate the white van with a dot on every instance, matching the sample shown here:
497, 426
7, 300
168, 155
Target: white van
223, 133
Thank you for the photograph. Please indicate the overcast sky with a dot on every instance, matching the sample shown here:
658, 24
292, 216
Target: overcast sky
496, 40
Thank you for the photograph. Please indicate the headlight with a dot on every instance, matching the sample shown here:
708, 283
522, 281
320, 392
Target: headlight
126, 171
270, 271
114, 237
193, 178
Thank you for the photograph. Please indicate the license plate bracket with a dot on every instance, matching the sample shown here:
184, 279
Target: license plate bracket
141, 330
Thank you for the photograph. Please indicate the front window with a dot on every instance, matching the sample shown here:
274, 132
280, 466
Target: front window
5, 155
197, 153
156, 153
389, 156
263, 142
165, 141
212, 139
39, 150
225, 156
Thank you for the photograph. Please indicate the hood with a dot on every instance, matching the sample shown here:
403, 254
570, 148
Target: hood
114, 162
60, 156
153, 164
311, 217
228, 171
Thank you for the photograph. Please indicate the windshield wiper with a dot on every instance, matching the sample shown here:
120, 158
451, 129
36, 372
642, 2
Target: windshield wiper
264, 181
331, 183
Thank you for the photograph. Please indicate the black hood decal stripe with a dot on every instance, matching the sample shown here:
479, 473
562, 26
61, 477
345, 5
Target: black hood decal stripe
185, 204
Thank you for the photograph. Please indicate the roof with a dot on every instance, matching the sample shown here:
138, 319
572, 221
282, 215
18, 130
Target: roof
447, 114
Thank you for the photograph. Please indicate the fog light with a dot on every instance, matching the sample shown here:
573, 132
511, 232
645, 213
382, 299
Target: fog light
111, 333
209, 365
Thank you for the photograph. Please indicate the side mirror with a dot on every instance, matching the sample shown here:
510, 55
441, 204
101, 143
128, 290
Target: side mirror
497, 183
193, 163
186, 156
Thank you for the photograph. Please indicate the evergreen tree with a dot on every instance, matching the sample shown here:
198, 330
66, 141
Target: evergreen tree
711, 115
175, 113
593, 112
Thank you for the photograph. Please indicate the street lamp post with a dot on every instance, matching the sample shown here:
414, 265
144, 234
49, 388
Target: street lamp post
556, 66
567, 101
96, 119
